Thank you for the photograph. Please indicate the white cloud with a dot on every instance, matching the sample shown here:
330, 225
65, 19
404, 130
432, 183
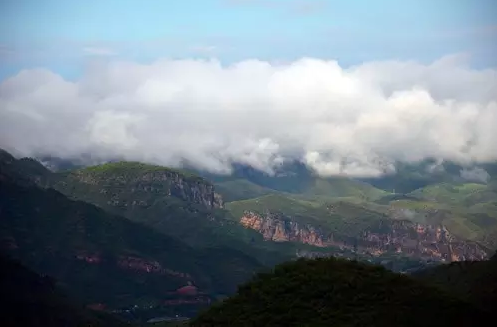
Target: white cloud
356, 121
475, 174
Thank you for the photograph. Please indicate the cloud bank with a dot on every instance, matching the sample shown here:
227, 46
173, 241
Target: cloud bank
356, 121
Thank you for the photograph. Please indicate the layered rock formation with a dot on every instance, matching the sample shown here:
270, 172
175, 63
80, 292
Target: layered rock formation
383, 236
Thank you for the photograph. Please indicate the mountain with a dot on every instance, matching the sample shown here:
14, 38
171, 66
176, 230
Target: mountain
129, 234
469, 210
411, 176
293, 204
291, 178
241, 189
375, 231
174, 202
108, 258
28, 299
450, 220
104, 258
336, 292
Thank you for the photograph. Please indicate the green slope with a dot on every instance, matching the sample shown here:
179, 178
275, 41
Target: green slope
459, 194
48, 232
467, 209
332, 292
241, 189
176, 204
342, 187
318, 189
341, 218
292, 178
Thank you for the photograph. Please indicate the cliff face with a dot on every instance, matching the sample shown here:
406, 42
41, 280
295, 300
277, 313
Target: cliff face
384, 236
279, 229
129, 187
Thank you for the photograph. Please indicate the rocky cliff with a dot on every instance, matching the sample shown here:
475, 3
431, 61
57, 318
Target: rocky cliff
129, 184
278, 228
383, 236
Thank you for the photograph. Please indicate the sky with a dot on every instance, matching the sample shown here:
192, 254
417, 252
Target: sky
62, 34
354, 84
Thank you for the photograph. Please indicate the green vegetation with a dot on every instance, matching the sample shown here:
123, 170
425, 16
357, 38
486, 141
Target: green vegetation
173, 205
278, 203
171, 219
412, 176
47, 231
241, 189
453, 194
315, 189
133, 168
475, 281
343, 187
292, 178
338, 217
333, 292
467, 209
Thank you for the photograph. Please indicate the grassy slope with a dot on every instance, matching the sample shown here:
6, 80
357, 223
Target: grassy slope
469, 208
314, 188
343, 187
241, 189
332, 292
346, 218
452, 193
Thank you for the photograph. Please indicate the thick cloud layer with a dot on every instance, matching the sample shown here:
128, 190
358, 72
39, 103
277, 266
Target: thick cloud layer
356, 121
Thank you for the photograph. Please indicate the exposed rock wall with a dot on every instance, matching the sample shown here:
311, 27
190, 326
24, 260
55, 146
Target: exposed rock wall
395, 236
142, 189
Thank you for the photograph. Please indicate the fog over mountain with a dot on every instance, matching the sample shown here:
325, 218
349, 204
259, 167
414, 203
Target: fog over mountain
357, 120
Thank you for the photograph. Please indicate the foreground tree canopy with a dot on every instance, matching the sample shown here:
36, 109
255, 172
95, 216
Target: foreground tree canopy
334, 292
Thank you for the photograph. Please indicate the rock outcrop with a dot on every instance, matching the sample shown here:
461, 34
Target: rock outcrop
127, 185
279, 229
383, 236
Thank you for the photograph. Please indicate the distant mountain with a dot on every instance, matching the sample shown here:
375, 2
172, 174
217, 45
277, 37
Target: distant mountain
293, 204
28, 299
411, 176
436, 196
292, 178
334, 292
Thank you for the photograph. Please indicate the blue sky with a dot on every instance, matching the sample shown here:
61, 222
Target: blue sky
64, 35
